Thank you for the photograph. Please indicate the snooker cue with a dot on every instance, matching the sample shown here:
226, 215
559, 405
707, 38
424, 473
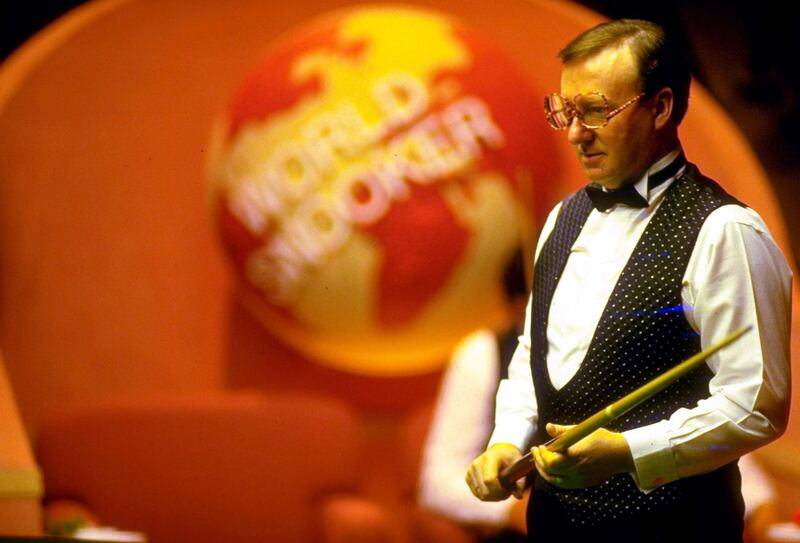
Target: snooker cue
525, 465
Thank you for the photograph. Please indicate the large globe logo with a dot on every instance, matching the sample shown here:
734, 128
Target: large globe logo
371, 180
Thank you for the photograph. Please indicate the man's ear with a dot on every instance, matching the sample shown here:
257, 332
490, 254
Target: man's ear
662, 104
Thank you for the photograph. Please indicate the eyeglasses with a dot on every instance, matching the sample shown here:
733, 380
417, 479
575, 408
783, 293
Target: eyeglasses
590, 108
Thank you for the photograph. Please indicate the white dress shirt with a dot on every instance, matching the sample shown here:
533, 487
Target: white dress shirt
736, 276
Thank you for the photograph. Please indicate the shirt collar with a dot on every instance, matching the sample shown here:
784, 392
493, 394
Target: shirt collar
643, 187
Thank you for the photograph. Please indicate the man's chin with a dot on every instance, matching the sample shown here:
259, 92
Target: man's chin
594, 174
593, 166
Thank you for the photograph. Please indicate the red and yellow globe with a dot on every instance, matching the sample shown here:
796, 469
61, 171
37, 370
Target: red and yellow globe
371, 179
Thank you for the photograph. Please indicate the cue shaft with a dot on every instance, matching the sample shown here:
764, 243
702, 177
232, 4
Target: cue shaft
525, 464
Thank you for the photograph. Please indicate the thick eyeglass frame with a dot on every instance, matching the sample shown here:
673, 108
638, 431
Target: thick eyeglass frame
572, 112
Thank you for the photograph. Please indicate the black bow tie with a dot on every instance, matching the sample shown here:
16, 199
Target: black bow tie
603, 200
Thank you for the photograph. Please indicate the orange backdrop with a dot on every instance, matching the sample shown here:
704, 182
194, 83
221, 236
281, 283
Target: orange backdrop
112, 280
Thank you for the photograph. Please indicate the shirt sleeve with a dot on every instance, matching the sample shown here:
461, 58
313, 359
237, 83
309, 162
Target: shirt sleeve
462, 421
516, 412
736, 277
516, 409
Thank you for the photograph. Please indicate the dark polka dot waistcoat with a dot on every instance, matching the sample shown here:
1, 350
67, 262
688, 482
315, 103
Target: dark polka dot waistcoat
642, 332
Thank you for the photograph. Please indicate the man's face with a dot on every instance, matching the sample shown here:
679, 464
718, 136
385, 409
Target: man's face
617, 154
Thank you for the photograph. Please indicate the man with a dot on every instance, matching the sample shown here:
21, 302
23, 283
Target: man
633, 274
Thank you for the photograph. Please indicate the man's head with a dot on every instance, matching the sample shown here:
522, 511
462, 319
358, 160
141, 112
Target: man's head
632, 85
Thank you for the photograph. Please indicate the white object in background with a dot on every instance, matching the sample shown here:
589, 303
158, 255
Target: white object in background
785, 531
104, 533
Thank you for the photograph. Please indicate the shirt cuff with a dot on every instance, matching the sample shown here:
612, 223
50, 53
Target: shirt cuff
518, 434
652, 456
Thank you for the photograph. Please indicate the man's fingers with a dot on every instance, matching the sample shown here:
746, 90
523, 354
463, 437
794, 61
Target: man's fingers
555, 430
552, 472
476, 484
489, 476
483, 474
482, 480
540, 466
538, 461
552, 462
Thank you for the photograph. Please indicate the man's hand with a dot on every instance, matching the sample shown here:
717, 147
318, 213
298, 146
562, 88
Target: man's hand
482, 473
589, 462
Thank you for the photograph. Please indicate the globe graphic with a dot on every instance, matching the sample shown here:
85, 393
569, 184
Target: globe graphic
371, 179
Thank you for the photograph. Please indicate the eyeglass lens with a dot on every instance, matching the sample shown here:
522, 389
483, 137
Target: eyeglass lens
591, 109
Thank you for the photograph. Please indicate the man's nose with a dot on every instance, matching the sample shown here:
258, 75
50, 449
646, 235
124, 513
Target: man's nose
577, 133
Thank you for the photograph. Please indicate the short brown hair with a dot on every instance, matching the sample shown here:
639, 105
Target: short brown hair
660, 60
